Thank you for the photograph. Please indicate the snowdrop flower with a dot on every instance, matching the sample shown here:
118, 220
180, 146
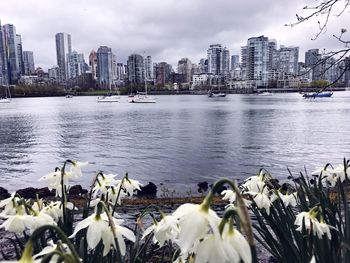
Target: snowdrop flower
255, 183
339, 172
54, 209
39, 220
17, 223
51, 248
9, 205
262, 200
75, 169
165, 229
287, 199
236, 245
229, 195
54, 181
99, 228
113, 193
103, 183
312, 224
129, 185
194, 221
212, 250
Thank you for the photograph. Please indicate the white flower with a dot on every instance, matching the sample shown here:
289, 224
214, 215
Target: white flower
339, 172
194, 221
229, 195
287, 199
212, 250
51, 247
262, 200
103, 184
236, 246
255, 184
99, 228
9, 205
54, 181
75, 169
165, 229
39, 220
129, 185
312, 224
114, 193
17, 223
54, 209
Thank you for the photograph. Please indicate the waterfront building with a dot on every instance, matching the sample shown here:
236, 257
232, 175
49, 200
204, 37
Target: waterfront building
288, 59
149, 69
3, 59
184, 69
13, 47
234, 62
244, 61
203, 65
200, 80
313, 61
258, 60
214, 55
136, 69
63, 48
28, 62
93, 63
75, 64
54, 73
104, 67
163, 73
273, 55
225, 63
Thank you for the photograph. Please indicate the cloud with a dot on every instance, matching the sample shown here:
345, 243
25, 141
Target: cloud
165, 29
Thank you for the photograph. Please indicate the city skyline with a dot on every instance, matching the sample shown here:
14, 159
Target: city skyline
166, 30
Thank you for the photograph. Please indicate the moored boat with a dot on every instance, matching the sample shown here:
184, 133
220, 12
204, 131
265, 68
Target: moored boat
323, 94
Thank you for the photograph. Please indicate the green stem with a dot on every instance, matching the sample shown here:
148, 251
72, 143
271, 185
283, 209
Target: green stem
119, 190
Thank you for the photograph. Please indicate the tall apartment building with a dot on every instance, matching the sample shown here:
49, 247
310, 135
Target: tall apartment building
28, 62
149, 69
136, 69
3, 59
184, 69
93, 63
258, 60
312, 60
120, 72
288, 59
104, 66
75, 64
244, 62
13, 48
163, 73
63, 48
234, 62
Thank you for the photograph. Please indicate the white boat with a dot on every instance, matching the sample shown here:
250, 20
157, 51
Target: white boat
7, 98
142, 97
264, 93
108, 98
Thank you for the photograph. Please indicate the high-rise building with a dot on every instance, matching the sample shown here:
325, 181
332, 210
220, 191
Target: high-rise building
93, 63
12, 47
214, 59
20, 54
244, 61
28, 62
234, 62
273, 55
75, 64
104, 66
3, 59
258, 60
149, 69
184, 69
203, 65
225, 62
136, 69
163, 73
313, 61
63, 48
120, 72
288, 59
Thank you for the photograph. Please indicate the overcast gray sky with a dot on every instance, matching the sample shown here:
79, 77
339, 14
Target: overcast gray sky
165, 29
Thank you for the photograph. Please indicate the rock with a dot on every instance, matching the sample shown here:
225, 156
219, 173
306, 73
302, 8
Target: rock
77, 190
4, 193
29, 192
45, 192
148, 190
202, 187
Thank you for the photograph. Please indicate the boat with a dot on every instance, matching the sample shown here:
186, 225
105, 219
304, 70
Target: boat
109, 97
264, 93
7, 98
141, 97
211, 94
313, 95
69, 96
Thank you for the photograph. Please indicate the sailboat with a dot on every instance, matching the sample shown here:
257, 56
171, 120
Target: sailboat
109, 97
7, 98
141, 97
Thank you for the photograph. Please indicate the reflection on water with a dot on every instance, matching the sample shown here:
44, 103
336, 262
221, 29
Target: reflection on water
180, 141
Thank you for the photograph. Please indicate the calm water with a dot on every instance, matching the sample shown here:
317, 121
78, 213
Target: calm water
178, 141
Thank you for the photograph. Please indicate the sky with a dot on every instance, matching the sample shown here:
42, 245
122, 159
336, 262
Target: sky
168, 30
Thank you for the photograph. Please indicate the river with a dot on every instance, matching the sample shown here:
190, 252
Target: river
179, 141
